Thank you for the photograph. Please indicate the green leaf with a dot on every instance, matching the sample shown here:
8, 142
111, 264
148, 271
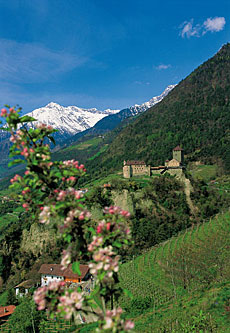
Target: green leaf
76, 267
7, 129
26, 119
117, 244
68, 238
128, 293
17, 161
92, 230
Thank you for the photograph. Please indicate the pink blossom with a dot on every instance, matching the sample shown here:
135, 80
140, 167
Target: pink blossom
81, 216
25, 191
25, 152
15, 178
125, 213
71, 179
66, 259
44, 216
104, 261
129, 325
19, 133
78, 195
99, 229
96, 242
13, 138
61, 195
26, 206
39, 297
3, 112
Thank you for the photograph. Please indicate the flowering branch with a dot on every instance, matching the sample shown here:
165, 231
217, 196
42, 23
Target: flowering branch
49, 194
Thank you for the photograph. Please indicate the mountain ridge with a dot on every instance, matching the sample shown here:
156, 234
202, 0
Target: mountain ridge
111, 121
196, 115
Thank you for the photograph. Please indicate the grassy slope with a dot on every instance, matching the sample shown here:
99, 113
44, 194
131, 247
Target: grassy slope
171, 305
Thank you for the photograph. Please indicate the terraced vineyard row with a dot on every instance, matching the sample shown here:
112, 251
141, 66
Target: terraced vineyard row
144, 275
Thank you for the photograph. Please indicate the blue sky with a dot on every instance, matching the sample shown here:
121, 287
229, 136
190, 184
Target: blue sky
103, 54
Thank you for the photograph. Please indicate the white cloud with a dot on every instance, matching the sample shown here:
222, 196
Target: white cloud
163, 66
188, 29
214, 24
32, 62
142, 83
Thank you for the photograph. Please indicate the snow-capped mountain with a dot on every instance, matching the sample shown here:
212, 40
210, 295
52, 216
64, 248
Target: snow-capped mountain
68, 120
73, 122
145, 106
110, 122
72, 119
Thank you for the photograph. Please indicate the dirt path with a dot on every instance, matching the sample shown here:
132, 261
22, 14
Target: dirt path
188, 189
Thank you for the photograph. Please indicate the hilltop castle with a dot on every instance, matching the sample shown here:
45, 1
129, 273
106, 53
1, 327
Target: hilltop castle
139, 168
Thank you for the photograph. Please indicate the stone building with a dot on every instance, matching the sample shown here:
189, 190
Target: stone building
135, 168
178, 154
139, 168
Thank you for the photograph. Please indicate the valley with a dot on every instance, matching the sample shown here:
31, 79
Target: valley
174, 273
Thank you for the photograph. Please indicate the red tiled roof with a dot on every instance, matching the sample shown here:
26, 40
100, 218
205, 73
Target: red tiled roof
55, 269
178, 148
6, 310
135, 163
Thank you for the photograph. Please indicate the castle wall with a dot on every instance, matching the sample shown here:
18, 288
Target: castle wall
175, 172
173, 163
140, 170
156, 172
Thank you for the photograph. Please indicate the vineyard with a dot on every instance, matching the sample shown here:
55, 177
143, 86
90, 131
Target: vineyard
160, 274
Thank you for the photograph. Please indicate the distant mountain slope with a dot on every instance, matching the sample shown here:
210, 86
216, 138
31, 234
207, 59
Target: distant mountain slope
72, 119
110, 122
196, 115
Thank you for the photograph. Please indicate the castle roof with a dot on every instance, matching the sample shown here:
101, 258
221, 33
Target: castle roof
56, 269
135, 163
178, 148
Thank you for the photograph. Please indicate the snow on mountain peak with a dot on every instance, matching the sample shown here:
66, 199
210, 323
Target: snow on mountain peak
68, 120
143, 107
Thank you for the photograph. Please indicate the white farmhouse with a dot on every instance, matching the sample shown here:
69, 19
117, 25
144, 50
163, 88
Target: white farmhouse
54, 272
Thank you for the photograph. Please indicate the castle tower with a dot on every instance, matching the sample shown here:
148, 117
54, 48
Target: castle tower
126, 170
178, 154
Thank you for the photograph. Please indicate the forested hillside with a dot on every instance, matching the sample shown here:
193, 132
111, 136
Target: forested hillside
196, 115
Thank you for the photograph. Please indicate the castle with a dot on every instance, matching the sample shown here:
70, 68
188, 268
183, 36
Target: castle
139, 168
